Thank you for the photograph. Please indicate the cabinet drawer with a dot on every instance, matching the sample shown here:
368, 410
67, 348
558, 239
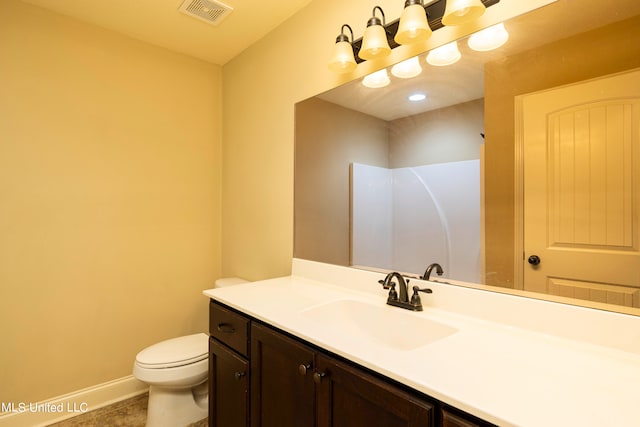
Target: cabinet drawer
229, 327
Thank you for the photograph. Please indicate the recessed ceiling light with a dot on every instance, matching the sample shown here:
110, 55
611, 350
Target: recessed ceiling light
416, 97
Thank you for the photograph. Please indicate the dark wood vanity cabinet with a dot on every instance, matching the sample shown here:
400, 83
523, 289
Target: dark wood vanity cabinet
277, 380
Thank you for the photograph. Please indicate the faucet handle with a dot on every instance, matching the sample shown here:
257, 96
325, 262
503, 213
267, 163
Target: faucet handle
415, 298
388, 284
393, 295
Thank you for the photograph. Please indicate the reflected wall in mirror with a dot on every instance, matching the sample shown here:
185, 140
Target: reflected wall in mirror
557, 45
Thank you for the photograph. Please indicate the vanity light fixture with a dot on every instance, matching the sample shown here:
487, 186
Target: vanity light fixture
488, 39
374, 41
418, 20
342, 60
444, 55
377, 80
460, 11
413, 26
407, 69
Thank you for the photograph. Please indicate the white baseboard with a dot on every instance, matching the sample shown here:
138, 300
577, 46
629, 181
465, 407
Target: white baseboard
38, 414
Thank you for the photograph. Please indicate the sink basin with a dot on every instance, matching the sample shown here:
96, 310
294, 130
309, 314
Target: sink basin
383, 325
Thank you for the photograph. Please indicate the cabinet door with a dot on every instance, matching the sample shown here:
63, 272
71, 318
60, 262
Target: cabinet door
350, 397
228, 387
282, 388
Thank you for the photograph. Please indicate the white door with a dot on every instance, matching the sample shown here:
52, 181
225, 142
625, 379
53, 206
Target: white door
582, 190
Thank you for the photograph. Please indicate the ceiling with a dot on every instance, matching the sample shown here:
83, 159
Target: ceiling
159, 22
464, 81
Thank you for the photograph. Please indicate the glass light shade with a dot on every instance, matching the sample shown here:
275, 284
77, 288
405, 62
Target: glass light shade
413, 26
407, 69
374, 43
377, 80
460, 11
444, 55
342, 60
488, 39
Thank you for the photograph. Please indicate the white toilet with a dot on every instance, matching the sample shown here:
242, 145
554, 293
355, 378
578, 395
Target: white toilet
176, 371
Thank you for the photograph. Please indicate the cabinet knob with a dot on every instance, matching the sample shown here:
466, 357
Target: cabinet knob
238, 375
303, 369
318, 376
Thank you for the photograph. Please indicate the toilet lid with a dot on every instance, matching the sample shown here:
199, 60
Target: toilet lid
175, 352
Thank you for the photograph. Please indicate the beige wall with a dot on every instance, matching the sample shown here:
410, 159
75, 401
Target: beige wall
449, 134
328, 139
261, 87
596, 53
109, 200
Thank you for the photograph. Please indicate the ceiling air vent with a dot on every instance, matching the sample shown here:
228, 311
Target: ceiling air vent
211, 12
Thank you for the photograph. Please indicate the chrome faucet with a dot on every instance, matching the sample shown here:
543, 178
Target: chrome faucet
427, 273
402, 300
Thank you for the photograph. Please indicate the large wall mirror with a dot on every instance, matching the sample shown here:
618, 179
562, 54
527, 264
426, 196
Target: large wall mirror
519, 171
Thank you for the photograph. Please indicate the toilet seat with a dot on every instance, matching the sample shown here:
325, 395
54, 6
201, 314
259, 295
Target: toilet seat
175, 352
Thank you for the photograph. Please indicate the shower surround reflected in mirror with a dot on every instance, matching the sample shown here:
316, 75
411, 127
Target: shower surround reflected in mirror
403, 216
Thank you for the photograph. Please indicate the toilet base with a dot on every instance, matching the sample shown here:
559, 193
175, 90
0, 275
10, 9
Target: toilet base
176, 408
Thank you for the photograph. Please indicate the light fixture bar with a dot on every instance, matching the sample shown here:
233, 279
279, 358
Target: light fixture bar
435, 11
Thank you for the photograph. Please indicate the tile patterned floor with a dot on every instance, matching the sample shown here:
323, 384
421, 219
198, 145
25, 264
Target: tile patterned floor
128, 413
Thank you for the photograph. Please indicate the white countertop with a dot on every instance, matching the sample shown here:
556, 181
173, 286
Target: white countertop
505, 374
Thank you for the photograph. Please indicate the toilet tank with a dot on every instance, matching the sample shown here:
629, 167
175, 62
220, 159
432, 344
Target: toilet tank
229, 281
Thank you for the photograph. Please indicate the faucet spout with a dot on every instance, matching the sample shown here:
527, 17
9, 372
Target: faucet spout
429, 269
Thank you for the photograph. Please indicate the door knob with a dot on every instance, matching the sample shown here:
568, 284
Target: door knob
534, 260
